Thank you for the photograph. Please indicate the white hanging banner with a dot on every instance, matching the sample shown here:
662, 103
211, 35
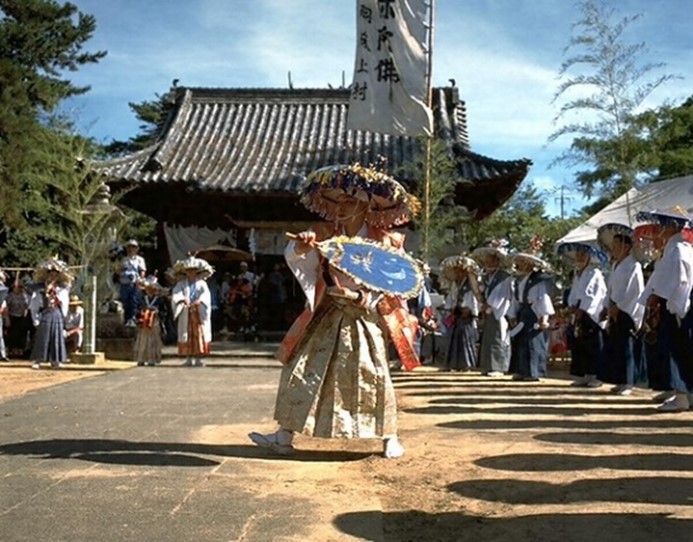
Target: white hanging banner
389, 93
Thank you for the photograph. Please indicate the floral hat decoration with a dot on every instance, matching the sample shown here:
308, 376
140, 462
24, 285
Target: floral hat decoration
389, 203
53, 264
532, 256
200, 266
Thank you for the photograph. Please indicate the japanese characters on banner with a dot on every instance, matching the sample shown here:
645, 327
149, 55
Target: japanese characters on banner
389, 93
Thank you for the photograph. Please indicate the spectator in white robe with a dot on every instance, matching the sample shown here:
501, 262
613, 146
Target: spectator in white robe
192, 307
624, 311
669, 293
586, 300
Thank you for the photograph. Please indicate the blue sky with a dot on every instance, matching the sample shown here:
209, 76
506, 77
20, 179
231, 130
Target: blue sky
503, 54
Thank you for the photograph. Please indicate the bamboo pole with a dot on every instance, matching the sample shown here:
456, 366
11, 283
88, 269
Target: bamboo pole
429, 138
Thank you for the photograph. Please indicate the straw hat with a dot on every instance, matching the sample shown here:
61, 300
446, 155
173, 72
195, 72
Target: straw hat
389, 203
569, 251
450, 265
200, 266
607, 232
149, 283
75, 300
674, 216
52, 264
497, 248
534, 261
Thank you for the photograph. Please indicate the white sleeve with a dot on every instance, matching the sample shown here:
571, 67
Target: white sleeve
305, 268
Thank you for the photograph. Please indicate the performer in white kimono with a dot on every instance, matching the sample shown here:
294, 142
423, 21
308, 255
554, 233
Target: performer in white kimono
48, 306
586, 300
192, 307
529, 317
669, 296
336, 381
460, 276
624, 311
497, 291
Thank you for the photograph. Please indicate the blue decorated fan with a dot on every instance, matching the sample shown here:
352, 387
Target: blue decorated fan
373, 265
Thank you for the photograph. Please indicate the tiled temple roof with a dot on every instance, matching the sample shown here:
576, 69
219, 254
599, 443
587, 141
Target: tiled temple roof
262, 142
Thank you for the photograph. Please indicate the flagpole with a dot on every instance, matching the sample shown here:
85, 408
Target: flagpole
429, 140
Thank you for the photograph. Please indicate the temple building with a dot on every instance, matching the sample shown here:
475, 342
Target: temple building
227, 164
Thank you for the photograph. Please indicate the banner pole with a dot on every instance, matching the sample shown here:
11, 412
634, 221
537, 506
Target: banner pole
429, 140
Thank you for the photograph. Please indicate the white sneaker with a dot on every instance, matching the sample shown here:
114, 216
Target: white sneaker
678, 403
36, 365
495, 373
279, 442
625, 390
393, 448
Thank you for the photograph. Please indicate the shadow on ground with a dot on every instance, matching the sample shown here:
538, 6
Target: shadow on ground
160, 454
647, 489
417, 526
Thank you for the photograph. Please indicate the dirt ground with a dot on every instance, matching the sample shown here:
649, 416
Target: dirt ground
489, 459
18, 378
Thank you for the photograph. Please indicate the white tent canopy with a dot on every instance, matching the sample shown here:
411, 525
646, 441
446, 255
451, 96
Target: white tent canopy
654, 196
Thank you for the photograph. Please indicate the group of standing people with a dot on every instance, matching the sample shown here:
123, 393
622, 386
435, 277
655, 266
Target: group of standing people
495, 319
623, 329
44, 320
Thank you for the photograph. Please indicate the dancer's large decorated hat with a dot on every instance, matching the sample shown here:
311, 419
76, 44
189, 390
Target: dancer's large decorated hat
674, 216
193, 263
52, 264
389, 203
607, 232
570, 251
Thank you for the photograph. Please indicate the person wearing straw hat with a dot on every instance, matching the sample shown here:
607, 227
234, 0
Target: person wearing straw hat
529, 317
623, 312
586, 301
497, 289
74, 325
48, 306
192, 307
336, 381
668, 295
132, 268
460, 276
151, 316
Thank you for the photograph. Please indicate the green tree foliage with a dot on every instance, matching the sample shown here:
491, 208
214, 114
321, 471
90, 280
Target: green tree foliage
518, 221
40, 40
669, 132
611, 81
152, 116
446, 217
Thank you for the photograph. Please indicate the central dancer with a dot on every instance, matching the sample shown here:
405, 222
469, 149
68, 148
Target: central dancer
336, 381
